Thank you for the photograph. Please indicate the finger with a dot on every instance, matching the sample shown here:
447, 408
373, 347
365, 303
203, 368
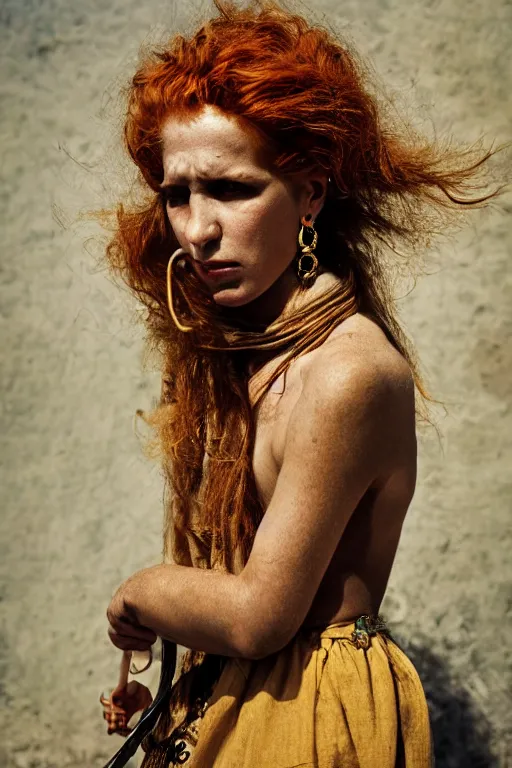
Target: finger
131, 630
127, 634
127, 643
135, 643
142, 633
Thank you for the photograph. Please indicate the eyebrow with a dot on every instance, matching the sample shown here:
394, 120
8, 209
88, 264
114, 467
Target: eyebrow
232, 176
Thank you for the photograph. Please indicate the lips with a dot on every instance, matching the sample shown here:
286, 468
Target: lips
218, 272
219, 265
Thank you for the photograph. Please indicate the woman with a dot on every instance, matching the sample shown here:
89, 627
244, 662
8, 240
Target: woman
275, 194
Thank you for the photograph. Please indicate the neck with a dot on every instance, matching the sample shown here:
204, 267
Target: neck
281, 300
267, 308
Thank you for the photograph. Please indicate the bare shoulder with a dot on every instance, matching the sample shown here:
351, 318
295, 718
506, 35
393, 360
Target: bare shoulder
355, 381
359, 355
356, 406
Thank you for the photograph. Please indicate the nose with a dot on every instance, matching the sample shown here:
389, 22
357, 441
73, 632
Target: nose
202, 226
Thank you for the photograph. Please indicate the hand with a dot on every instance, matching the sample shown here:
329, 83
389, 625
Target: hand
125, 632
121, 705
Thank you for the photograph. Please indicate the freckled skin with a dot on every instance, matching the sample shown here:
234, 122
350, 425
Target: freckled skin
383, 442
256, 225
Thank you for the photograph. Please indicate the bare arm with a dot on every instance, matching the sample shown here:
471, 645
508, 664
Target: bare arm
197, 608
339, 441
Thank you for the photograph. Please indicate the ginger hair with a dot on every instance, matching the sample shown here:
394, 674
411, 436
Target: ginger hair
308, 100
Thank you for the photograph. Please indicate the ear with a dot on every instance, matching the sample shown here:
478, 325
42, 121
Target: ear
314, 193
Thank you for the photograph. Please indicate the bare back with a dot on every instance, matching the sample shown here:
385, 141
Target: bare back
356, 578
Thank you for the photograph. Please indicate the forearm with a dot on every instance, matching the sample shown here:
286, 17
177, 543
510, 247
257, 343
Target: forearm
197, 608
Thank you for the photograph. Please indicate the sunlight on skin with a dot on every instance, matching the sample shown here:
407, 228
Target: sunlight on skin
224, 202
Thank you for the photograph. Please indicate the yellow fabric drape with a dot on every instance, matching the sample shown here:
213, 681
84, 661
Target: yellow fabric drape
321, 702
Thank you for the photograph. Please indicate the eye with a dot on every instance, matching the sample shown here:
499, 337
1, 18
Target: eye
175, 196
225, 188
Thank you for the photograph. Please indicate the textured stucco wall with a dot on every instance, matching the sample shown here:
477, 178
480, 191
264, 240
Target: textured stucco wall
81, 508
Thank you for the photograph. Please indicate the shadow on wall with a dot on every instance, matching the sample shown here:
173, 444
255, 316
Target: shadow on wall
462, 734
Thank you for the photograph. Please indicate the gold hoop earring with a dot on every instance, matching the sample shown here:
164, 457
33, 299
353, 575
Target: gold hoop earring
307, 262
176, 255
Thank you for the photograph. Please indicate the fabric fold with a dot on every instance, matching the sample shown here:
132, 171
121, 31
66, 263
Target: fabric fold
340, 696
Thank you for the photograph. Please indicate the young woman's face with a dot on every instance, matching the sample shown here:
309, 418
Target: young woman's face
225, 204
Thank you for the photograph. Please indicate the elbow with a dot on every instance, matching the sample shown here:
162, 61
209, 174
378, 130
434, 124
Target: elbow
262, 636
256, 648
271, 642
263, 626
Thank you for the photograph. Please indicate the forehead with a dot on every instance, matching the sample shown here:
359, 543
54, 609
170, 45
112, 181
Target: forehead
208, 144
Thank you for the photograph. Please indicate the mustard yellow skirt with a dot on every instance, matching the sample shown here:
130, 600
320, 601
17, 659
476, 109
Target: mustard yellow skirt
341, 696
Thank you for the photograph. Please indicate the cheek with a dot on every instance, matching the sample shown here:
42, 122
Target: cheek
176, 225
281, 230
270, 224
169, 217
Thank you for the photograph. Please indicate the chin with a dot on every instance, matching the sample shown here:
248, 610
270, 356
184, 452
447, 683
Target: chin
224, 299
236, 296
